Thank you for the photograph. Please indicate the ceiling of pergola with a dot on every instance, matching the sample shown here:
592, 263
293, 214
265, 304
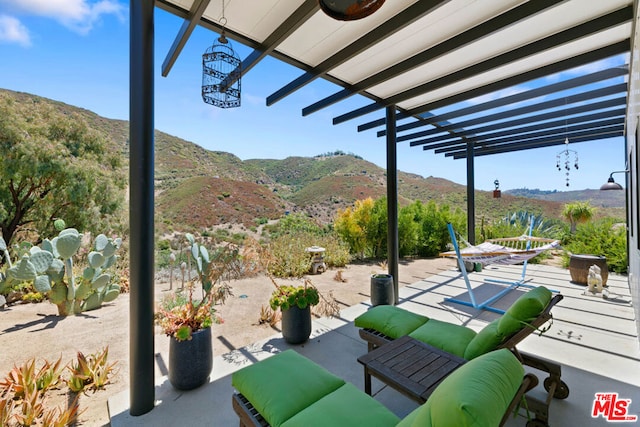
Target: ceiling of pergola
434, 59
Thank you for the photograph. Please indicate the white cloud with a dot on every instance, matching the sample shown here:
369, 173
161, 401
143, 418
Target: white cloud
77, 15
592, 67
12, 31
496, 95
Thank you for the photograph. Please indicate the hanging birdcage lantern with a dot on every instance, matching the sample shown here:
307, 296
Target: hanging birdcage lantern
221, 75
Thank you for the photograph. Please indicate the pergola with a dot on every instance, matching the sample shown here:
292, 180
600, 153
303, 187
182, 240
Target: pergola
416, 64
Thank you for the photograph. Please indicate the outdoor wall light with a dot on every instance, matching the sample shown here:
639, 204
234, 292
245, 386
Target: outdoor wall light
349, 10
611, 184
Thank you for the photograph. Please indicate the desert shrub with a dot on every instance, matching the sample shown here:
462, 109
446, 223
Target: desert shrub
337, 250
289, 258
422, 228
351, 225
433, 234
604, 237
294, 223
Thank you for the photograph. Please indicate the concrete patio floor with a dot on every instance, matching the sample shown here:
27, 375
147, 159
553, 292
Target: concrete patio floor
594, 339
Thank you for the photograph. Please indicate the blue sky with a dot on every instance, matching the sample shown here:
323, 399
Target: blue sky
77, 52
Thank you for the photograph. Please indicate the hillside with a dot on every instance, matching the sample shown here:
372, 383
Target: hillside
197, 188
605, 199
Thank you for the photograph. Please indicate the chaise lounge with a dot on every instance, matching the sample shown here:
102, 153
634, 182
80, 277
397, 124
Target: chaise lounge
290, 390
527, 314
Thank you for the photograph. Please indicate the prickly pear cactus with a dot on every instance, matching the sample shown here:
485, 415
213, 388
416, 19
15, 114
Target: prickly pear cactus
50, 268
101, 258
5, 252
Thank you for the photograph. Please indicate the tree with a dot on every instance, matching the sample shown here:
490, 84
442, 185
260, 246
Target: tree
351, 224
52, 165
577, 213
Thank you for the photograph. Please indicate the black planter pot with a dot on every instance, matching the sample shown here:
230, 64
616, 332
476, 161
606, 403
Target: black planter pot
382, 290
296, 324
190, 362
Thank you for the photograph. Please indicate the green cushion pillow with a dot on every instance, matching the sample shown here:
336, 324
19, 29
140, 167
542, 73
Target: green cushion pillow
488, 339
524, 310
476, 394
283, 385
394, 322
347, 406
447, 336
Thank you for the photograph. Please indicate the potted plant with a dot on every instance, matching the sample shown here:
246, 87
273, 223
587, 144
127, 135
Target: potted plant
187, 321
295, 304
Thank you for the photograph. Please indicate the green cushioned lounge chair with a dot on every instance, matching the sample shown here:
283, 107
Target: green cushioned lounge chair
527, 314
289, 390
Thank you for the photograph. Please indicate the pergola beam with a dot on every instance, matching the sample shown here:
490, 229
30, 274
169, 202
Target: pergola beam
562, 131
428, 118
606, 132
393, 25
456, 42
189, 24
572, 34
586, 108
280, 34
489, 137
532, 108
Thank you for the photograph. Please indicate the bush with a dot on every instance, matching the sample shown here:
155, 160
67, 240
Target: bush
289, 258
294, 223
422, 228
603, 237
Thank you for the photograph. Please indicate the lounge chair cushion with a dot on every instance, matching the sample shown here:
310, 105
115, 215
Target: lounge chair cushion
392, 321
337, 409
522, 312
476, 394
488, 339
298, 382
447, 336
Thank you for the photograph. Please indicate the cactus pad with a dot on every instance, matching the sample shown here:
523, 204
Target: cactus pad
42, 283
88, 273
94, 301
111, 293
83, 290
101, 242
56, 271
96, 259
41, 260
101, 281
68, 242
59, 224
24, 271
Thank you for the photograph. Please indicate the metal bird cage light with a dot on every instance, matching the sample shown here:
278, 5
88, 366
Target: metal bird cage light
221, 75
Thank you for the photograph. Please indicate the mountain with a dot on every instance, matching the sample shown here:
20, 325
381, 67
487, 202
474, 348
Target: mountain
197, 188
604, 199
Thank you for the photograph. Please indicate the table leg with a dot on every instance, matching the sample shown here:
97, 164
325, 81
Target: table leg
367, 381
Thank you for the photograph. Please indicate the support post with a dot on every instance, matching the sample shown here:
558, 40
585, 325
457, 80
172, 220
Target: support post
392, 199
141, 181
471, 196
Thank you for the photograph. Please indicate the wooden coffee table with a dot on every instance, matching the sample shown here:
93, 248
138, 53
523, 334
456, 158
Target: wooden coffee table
410, 366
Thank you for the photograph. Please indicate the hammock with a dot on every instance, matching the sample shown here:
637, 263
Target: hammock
510, 250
